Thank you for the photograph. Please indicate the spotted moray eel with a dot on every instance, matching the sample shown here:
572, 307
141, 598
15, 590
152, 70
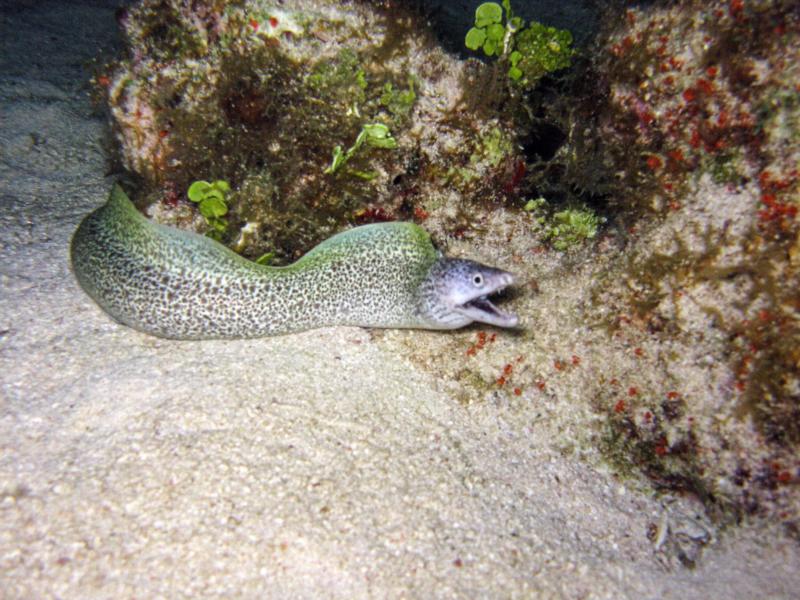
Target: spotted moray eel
177, 284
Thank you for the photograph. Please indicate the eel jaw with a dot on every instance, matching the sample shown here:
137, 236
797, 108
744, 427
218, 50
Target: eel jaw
481, 309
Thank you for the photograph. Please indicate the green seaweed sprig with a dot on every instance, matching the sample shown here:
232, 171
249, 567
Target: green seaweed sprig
566, 228
375, 135
528, 53
539, 50
570, 227
211, 201
398, 101
489, 32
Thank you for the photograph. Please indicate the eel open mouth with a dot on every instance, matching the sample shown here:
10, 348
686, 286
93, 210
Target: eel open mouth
483, 310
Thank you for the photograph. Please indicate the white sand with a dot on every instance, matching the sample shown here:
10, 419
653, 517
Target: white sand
314, 465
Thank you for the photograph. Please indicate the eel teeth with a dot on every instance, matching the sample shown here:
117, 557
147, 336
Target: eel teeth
483, 310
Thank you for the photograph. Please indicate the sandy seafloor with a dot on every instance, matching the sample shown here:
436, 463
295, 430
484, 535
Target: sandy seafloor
310, 466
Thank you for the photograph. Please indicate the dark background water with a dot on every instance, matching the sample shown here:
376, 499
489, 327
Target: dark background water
451, 19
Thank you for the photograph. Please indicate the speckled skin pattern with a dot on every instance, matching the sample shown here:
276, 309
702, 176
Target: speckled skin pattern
177, 284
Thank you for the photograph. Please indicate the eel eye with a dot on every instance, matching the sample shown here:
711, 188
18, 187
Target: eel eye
477, 279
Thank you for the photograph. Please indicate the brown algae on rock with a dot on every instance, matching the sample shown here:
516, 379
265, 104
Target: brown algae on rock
261, 95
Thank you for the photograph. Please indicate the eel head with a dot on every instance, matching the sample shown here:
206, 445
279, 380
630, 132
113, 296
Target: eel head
458, 292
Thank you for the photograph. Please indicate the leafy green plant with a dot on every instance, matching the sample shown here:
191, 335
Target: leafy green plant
534, 205
566, 228
341, 77
539, 50
398, 102
211, 201
528, 53
489, 31
375, 135
572, 226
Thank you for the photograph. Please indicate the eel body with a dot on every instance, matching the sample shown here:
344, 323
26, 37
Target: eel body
177, 284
